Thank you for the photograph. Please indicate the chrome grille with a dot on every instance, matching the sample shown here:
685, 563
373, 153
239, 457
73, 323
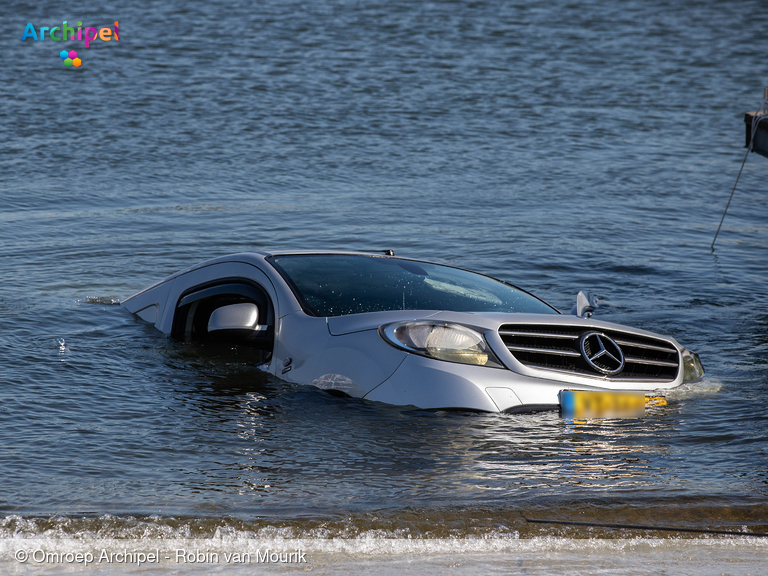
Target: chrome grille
555, 347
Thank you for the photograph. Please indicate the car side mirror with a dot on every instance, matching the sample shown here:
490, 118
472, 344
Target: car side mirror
235, 321
239, 324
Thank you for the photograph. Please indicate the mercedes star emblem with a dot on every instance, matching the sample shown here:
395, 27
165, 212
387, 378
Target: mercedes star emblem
602, 353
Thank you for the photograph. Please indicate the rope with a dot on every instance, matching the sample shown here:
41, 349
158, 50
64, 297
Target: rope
760, 115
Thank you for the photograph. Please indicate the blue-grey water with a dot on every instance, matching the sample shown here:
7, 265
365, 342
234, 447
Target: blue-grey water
560, 145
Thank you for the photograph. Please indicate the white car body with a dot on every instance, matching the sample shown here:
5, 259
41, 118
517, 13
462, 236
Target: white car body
350, 353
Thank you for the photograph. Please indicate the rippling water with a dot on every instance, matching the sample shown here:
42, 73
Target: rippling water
562, 147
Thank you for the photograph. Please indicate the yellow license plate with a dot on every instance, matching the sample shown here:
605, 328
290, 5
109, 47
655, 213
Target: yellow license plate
600, 404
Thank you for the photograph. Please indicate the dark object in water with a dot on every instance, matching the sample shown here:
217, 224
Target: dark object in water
642, 527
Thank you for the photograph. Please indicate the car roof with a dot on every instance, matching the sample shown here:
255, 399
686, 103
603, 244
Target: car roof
384, 253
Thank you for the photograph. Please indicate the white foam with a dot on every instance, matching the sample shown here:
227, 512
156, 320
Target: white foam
377, 551
705, 387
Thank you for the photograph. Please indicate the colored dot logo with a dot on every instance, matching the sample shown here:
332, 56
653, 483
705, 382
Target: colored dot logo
70, 58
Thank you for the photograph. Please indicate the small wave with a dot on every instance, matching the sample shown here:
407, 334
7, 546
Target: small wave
505, 525
706, 387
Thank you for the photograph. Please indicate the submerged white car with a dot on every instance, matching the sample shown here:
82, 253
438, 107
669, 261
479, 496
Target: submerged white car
407, 332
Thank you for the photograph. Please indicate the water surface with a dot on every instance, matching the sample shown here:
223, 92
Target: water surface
560, 147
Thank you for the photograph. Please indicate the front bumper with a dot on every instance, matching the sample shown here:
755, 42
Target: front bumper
432, 384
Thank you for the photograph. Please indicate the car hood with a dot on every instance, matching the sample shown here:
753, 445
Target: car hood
339, 325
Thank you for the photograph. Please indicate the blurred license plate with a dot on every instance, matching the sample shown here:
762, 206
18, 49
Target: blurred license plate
599, 404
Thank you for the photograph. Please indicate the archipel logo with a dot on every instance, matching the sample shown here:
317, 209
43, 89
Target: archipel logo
67, 33
70, 58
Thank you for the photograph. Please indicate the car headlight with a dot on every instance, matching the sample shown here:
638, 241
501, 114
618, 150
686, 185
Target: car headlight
692, 367
441, 340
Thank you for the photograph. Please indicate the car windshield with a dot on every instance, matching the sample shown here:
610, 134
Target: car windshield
338, 284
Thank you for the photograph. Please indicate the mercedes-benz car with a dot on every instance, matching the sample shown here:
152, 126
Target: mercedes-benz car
407, 332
